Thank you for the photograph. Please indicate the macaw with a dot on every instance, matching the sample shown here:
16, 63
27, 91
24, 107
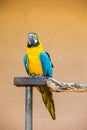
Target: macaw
38, 62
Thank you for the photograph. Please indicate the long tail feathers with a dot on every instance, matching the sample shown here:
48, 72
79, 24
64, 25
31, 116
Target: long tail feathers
48, 100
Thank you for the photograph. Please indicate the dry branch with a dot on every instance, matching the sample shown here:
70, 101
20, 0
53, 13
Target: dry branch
57, 86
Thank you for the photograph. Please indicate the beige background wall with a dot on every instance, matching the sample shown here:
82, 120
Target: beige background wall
62, 27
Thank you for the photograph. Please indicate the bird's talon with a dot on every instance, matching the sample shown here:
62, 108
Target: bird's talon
34, 75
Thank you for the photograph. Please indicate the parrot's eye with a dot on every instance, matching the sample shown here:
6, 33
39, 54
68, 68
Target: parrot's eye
32, 40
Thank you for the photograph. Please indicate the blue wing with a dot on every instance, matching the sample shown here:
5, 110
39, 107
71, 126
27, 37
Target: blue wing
25, 60
46, 64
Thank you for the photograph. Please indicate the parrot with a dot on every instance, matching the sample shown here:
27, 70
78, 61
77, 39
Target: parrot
38, 62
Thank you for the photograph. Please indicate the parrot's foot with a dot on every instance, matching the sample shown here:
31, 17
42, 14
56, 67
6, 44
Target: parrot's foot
39, 75
33, 75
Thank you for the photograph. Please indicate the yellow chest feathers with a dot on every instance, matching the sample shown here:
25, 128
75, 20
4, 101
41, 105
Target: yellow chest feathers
34, 60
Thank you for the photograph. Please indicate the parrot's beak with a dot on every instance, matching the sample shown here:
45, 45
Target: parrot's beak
31, 43
32, 40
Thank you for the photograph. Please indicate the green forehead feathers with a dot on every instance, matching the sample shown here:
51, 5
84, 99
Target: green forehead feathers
32, 33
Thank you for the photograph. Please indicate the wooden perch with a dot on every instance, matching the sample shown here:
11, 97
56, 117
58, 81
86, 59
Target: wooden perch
30, 81
54, 85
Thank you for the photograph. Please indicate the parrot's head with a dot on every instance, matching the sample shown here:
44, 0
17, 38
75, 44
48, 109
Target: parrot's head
32, 40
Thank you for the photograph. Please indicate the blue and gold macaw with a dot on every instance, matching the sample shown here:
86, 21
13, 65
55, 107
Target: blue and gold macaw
38, 62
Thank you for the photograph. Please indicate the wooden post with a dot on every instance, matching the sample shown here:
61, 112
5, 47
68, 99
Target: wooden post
29, 83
